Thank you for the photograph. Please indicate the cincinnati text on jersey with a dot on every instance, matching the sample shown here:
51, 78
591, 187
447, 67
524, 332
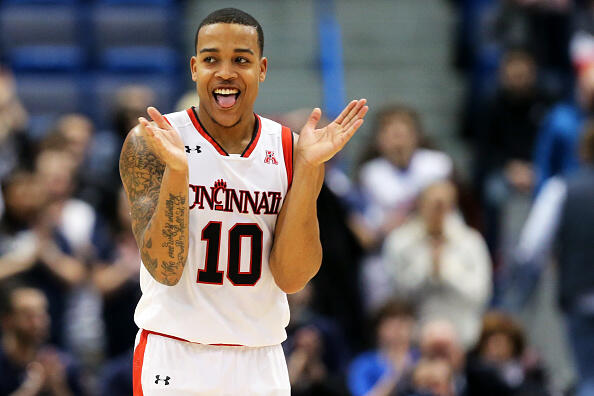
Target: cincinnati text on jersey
220, 197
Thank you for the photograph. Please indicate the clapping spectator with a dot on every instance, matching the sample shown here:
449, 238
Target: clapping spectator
29, 366
441, 264
33, 250
396, 171
378, 372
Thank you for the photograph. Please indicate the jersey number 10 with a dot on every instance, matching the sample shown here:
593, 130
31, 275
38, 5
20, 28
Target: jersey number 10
212, 235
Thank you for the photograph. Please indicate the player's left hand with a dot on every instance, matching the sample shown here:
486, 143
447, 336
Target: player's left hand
316, 146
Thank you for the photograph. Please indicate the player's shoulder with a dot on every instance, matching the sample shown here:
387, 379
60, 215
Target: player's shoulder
179, 118
270, 127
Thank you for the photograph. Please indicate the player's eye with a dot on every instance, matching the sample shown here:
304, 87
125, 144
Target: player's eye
241, 60
209, 59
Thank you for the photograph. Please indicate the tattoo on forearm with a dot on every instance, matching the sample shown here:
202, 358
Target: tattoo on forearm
174, 230
142, 173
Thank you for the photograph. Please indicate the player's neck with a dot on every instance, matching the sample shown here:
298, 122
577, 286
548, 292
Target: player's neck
234, 139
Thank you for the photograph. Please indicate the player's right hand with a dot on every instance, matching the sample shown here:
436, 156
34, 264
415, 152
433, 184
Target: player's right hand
164, 140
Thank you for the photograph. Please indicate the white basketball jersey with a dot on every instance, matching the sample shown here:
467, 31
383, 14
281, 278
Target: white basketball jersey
227, 294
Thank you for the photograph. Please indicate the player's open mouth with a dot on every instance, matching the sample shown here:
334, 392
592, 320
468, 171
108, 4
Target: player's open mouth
226, 97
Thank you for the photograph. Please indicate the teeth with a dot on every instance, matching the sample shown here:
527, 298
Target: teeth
226, 91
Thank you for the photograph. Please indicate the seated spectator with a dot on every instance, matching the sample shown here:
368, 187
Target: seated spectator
316, 349
378, 372
500, 365
395, 172
431, 377
439, 341
117, 279
29, 366
441, 264
95, 155
25, 199
33, 250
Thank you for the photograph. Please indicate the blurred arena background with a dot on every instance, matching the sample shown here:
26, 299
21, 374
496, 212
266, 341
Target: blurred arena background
457, 226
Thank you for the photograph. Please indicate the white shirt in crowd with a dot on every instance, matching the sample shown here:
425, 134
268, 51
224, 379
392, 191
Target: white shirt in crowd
387, 188
460, 292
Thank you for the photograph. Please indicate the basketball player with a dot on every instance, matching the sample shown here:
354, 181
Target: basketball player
223, 206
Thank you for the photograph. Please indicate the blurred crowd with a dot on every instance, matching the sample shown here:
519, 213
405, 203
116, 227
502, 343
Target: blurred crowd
425, 273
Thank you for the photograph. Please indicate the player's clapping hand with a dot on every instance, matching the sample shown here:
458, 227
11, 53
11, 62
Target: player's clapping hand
164, 140
316, 146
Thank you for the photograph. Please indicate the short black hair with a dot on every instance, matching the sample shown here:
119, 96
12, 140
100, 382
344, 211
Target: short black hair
232, 15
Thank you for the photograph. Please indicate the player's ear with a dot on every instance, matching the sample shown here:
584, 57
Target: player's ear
263, 68
193, 68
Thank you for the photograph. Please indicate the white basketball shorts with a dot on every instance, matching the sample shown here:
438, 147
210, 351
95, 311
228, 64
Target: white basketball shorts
165, 365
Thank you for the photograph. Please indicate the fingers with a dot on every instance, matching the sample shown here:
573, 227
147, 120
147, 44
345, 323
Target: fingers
354, 112
348, 134
313, 119
346, 111
147, 126
158, 118
358, 116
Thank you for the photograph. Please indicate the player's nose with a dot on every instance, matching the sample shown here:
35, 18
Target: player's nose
226, 71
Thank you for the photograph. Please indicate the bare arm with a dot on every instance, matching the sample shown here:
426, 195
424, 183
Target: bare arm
297, 253
154, 170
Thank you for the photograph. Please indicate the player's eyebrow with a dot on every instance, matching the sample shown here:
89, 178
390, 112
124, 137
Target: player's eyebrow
209, 50
244, 50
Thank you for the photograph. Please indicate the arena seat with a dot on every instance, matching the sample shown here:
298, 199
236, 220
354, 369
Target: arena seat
134, 38
46, 95
41, 37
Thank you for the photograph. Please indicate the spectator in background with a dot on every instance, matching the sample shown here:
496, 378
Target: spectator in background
441, 264
439, 341
317, 352
431, 377
544, 28
505, 150
117, 281
562, 217
86, 240
556, 149
378, 372
508, 130
499, 365
131, 103
33, 250
396, 170
29, 366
